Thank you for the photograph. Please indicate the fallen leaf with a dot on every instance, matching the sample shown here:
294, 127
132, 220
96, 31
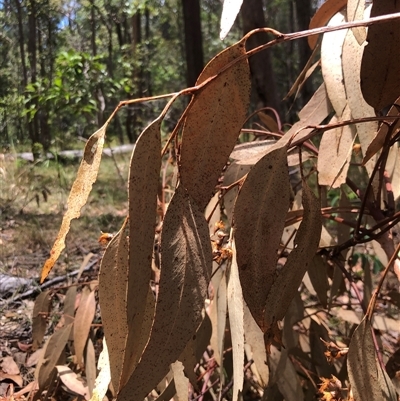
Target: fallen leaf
70, 380
9, 366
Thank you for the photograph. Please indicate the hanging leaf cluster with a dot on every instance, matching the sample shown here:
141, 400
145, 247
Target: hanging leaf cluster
218, 229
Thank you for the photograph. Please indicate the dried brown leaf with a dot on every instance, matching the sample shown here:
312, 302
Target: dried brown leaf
70, 380
331, 64
69, 305
90, 366
168, 392
9, 366
54, 348
335, 153
236, 323
186, 260
232, 174
351, 60
250, 153
284, 373
83, 320
17, 379
144, 175
181, 381
113, 279
380, 136
255, 338
285, 285
380, 81
40, 314
216, 115
259, 219
369, 382
323, 15
195, 348
269, 122
355, 11
315, 111
222, 308
321, 365
104, 377
79, 194
318, 274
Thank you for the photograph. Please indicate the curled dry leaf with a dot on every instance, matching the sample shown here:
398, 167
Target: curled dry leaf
380, 81
186, 261
79, 194
328, 9
40, 314
236, 323
113, 278
369, 382
83, 320
215, 116
285, 285
144, 173
259, 220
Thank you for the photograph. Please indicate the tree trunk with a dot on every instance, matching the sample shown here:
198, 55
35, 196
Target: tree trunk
193, 40
32, 56
264, 86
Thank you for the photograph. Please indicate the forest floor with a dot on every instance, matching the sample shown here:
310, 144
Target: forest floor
33, 198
